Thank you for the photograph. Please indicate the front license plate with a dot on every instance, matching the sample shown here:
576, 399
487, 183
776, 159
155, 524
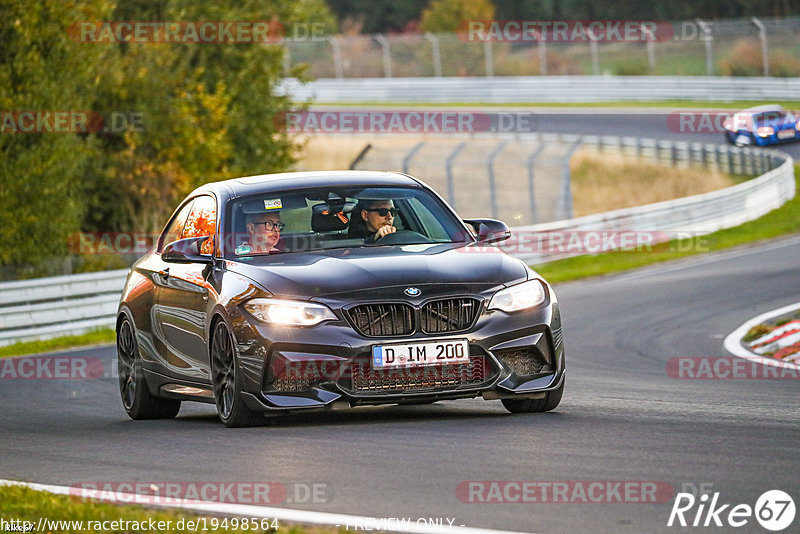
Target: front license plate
446, 352
786, 134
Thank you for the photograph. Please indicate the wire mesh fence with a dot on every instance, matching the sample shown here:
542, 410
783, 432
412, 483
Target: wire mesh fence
740, 47
525, 179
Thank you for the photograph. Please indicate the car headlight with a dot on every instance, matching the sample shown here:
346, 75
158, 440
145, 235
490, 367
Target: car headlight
519, 297
289, 312
765, 131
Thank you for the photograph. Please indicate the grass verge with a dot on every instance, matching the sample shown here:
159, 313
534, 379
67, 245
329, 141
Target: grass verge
96, 337
25, 504
778, 222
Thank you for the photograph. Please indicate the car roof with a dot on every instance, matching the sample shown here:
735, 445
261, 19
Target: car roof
247, 185
769, 108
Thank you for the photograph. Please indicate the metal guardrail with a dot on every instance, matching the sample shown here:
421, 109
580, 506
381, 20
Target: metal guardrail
43, 308
565, 89
48, 307
683, 217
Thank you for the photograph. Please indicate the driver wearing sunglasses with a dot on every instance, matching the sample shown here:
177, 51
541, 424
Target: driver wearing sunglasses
378, 217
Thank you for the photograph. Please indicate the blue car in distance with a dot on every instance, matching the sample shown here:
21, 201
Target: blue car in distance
762, 126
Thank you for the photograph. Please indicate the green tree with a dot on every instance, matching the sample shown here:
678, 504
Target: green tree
378, 16
211, 110
41, 69
448, 15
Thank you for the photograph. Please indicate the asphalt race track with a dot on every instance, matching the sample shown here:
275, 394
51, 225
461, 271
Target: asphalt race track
650, 123
623, 418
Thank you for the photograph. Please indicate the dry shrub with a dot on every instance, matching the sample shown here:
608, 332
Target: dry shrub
745, 60
603, 182
508, 62
327, 153
783, 65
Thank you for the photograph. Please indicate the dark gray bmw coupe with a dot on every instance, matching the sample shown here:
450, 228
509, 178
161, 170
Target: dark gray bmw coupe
321, 290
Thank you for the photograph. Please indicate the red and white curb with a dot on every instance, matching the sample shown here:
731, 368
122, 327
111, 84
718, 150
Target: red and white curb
733, 343
281, 514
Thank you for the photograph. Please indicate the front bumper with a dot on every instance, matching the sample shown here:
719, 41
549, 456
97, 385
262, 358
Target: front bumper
518, 355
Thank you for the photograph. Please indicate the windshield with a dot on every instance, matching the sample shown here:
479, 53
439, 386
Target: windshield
771, 117
324, 218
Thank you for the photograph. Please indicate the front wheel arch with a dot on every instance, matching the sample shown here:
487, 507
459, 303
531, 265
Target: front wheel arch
228, 385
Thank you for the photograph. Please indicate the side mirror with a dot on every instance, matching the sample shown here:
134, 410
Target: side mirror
186, 251
490, 230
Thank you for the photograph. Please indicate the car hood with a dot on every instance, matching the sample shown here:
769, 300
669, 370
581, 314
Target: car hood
462, 268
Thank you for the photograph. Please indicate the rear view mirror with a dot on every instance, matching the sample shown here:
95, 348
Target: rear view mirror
186, 251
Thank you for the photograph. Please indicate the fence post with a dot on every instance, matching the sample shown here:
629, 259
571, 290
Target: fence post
488, 58
730, 160
287, 59
360, 156
565, 200
762, 33
542, 49
531, 186
411, 154
651, 51
704, 157
387, 57
490, 168
708, 41
337, 56
673, 154
437, 56
451, 187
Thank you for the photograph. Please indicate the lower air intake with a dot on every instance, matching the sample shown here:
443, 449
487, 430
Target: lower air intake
523, 361
364, 378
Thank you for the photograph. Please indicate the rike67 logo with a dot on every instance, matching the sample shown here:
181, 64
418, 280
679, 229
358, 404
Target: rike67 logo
774, 510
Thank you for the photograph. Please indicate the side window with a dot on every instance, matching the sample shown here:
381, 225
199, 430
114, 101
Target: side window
202, 221
175, 228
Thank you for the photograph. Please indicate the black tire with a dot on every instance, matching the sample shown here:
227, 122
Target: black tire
137, 400
549, 402
226, 379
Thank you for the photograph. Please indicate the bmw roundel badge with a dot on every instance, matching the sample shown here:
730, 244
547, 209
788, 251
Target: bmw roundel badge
413, 291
